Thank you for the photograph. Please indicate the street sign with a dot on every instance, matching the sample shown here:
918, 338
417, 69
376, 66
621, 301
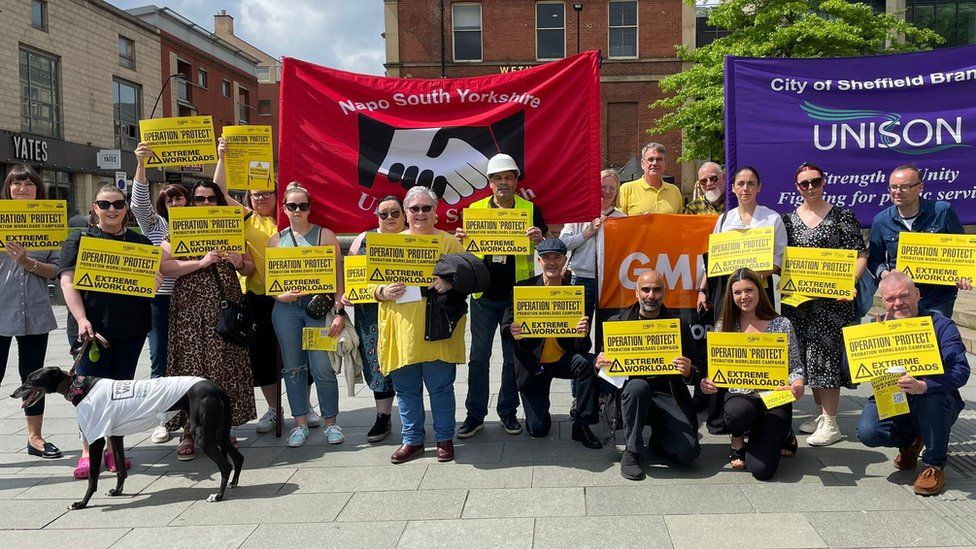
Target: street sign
121, 180
109, 159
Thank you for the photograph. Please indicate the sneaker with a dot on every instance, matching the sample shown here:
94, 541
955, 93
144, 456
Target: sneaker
298, 436
470, 427
268, 421
314, 420
827, 433
630, 466
811, 425
511, 425
333, 435
380, 429
160, 434
930, 482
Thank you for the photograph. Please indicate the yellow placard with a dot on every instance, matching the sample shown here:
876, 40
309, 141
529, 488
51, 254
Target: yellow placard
497, 231
731, 250
890, 401
933, 258
818, 272
309, 269
317, 339
642, 347
874, 347
196, 230
794, 300
34, 224
179, 141
249, 159
116, 267
356, 283
772, 399
405, 258
748, 361
548, 311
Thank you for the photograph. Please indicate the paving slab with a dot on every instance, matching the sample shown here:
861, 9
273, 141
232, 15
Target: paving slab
469, 476
136, 512
211, 537
893, 528
421, 505
867, 495
336, 535
262, 509
36, 514
370, 478
601, 532
94, 538
511, 533
742, 530
649, 499
522, 502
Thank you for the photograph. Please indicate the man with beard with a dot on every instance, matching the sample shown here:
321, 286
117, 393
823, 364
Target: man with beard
661, 401
711, 184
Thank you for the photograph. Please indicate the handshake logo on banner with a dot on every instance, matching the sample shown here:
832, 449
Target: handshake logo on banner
450, 160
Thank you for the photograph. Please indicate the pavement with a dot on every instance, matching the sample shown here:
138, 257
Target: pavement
501, 491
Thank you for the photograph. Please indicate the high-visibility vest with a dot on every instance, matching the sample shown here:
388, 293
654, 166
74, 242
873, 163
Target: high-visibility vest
523, 263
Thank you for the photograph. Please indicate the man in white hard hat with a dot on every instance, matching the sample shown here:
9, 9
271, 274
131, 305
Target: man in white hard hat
488, 308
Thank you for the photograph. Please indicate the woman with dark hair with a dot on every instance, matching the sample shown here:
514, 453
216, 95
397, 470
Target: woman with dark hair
25, 305
747, 309
195, 347
391, 219
815, 223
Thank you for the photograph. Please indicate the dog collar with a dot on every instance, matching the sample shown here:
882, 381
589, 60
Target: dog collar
75, 389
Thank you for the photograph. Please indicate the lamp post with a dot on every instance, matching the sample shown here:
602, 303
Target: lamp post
578, 8
163, 88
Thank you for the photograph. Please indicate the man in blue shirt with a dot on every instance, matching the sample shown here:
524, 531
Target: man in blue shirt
934, 401
911, 212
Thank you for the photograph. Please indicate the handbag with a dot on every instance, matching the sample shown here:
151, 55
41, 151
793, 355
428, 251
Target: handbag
235, 323
320, 304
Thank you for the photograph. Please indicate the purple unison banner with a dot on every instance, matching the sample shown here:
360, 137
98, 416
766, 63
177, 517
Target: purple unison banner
858, 118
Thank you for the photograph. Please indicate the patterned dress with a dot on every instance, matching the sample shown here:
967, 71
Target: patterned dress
818, 322
195, 348
367, 321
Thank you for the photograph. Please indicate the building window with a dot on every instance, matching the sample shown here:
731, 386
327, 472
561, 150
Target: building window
264, 74
57, 186
954, 20
184, 91
225, 88
705, 34
550, 30
466, 21
39, 15
623, 29
243, 106
127, 53
127, 99
202, 78
40, 105
264, 107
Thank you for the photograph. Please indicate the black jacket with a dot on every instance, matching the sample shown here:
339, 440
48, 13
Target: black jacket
468, 275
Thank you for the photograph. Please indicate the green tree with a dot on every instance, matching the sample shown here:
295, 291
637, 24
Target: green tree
770, 28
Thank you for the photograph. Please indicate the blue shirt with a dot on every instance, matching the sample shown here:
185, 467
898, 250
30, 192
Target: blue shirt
954, 364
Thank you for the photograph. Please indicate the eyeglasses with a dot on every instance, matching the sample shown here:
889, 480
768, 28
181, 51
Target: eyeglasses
902, 188
106, 204
209, 199
417, 209
392, 213
709, 179
261, 195
292, 206
653, 159
813, 183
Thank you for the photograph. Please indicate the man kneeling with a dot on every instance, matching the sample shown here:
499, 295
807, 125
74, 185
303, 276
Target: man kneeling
538, 361
934, 401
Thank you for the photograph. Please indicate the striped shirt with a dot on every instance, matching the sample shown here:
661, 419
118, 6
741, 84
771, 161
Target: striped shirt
151, 224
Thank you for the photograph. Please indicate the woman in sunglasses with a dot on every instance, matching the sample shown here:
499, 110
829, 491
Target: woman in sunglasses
26, 313
195, 347
391, 217
815, 223
121, 319
290, 318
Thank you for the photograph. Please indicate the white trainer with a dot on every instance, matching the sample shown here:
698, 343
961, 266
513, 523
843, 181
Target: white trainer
160, 434
811, 425
827, 433
268, 421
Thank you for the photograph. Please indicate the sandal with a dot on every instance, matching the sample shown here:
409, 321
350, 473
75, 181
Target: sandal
737, 455
791, 445
83, 469
185, 451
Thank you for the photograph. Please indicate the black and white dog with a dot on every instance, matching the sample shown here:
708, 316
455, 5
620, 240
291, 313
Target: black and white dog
110, 408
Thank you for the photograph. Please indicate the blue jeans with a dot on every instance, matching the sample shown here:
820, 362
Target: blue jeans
589, 293
159, 335
931, 416
288, 320
486, 315
409, 382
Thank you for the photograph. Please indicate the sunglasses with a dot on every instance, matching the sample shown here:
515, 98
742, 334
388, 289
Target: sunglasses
105, 204
261, 196
813, 183
417, 209
211, 199
292, 206
383, 215
709, 179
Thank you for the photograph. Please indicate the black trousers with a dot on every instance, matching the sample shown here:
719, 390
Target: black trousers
535, 392
31, 350
768, 431
672, 435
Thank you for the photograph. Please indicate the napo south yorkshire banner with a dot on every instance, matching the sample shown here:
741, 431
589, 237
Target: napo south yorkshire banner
857, 118
352, 138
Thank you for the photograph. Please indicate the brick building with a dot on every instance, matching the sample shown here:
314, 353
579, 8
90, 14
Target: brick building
432, 39
87, 73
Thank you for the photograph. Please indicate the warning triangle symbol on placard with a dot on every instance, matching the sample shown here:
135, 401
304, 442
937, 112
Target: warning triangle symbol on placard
1, 244
377, 276
351, 294
789, 286
862, 372
719, 378
616, 367
155, 160
525, 328
908, 272
472, 247
716, 268
182, 248
85, 281
276, 287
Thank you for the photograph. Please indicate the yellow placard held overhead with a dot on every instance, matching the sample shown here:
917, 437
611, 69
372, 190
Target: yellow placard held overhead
309, 269
179, 141
933, 258
318, 339
249, 158
890, 401
196, 230
356, 283
405, 258
748, 361
548, 311
772, 399
496, 231
874, 347
642, 347
752, 248
116, 267
818, 272
34, 224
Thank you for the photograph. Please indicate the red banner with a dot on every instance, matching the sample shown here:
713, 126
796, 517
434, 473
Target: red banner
352, 139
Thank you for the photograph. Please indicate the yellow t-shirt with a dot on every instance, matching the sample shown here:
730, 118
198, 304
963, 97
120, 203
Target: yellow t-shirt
258, 229
551, 351
400, 334
637, 197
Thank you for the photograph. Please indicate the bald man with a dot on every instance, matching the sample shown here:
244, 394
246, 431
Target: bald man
661, 402
711, 191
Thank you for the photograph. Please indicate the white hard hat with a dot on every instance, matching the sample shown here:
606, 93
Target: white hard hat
502, 163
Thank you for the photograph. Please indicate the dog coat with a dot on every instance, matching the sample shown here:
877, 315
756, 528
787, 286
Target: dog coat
126, 407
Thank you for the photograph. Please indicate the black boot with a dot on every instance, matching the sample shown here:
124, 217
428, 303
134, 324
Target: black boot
583, 434
380, 429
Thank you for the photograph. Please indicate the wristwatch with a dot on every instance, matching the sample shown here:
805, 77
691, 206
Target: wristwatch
341, 312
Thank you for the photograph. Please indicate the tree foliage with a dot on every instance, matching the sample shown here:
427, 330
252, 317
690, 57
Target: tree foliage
694, 98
